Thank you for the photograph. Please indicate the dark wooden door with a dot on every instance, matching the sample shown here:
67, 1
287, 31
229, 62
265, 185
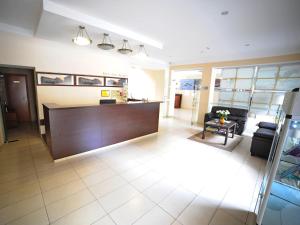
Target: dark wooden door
178, 98
17, 98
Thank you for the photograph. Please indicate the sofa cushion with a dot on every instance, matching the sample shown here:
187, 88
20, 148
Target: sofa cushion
237, 118
238, 112
264, 133
267, 125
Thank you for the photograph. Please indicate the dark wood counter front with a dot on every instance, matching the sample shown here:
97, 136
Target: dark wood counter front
75, 129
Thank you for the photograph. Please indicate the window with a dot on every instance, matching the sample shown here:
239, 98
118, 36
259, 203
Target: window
258, 88
235, 87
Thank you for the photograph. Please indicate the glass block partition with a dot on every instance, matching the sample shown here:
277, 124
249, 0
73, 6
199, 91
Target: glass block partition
259, 88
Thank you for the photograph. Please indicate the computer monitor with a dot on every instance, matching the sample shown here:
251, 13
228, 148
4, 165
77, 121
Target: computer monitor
107, 101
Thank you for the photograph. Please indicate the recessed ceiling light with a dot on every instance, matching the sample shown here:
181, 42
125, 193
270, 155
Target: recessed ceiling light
224, 13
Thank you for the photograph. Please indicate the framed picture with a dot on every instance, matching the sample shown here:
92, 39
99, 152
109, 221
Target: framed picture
115, 81
89, 81
53, 79
105, 93
189, 84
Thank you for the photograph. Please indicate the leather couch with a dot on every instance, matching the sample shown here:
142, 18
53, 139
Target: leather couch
236, 114
262, 139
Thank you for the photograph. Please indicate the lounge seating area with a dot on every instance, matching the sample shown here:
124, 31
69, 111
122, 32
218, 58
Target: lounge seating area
236, 114
262, 138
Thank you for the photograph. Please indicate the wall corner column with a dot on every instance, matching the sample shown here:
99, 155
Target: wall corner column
207, 91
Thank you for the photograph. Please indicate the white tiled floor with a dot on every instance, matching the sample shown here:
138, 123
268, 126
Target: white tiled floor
161, 179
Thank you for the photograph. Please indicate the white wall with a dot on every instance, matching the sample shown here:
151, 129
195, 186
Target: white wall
51, 56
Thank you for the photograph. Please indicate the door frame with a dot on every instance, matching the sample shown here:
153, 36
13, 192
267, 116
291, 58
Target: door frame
34, 89
171, 88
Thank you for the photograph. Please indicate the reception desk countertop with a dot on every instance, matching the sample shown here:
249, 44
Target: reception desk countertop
58, 106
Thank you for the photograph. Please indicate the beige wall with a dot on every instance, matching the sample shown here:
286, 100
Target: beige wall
208, 79
52, 56
146, 84
68, 96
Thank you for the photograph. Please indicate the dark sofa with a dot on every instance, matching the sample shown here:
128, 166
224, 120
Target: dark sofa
236, 114
262, 139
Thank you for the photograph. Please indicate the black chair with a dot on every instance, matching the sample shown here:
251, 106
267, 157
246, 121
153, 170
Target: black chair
262, 139
238, 115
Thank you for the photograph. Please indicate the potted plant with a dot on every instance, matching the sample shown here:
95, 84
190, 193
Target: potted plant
223, 115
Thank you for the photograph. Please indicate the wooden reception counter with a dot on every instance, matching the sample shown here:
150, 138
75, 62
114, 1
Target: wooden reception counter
75, 129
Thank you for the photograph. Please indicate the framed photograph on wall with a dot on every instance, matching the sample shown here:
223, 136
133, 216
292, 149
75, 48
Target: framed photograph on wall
189, 84
55, 79
105, 93
115, 81
93, 81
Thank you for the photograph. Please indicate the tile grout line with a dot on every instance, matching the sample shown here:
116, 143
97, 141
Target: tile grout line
39, 183
256, 185
96, 199
129, 183
236, 173
155, 204
228, 189
142, 193
29, 149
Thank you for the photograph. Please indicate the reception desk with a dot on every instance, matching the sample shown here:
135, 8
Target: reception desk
70, 130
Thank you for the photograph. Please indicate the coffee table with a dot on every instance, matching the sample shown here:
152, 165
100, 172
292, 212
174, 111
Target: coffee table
221, 129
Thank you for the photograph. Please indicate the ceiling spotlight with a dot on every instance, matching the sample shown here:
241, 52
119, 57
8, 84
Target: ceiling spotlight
142, 53
82, 37
125, 48
224, 13
106, 43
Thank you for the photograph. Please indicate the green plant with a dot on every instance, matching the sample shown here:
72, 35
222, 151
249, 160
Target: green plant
223, 113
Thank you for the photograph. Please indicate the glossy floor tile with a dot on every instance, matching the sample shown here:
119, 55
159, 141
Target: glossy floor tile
160, 179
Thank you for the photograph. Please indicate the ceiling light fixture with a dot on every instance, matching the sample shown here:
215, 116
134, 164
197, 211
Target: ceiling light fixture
125, 48
54, 7
82, 37
106, 43
142, 53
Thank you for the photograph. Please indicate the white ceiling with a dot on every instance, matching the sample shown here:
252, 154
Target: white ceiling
185, 29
